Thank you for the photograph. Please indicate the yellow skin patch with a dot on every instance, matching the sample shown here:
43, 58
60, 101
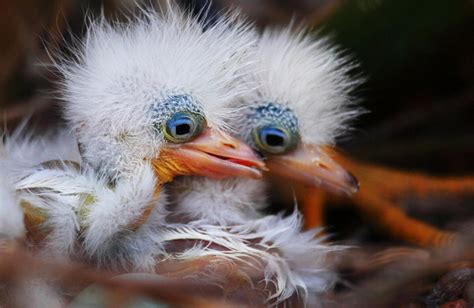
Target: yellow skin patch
34, 217
168, 165
85, 210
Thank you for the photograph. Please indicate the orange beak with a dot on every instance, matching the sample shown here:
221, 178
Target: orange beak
312, 166
212, 154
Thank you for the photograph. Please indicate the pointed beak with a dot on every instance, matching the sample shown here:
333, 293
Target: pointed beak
312, 166
216, 155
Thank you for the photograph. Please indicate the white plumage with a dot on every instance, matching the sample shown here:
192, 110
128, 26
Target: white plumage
309, 78
308, 75
20, 153
121, 72
119, 89
11, 220
231, 201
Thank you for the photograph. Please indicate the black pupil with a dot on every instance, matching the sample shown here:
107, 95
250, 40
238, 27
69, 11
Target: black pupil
183, 129
274, 140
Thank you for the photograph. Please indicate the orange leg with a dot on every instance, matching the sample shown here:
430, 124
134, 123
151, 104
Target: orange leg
395, 183
392, 220
380, 188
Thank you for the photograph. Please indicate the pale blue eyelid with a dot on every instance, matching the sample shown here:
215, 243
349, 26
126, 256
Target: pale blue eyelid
271, 114
260, 139
195, 121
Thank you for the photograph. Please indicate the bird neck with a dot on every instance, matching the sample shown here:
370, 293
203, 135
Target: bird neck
226, 201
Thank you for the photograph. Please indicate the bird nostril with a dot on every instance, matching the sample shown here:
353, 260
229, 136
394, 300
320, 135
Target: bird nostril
229, 144
323, 166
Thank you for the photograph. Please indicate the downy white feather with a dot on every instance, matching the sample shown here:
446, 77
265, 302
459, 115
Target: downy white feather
11, 215
307, 75
121, 70
20, 153
78, 203
114, 78
233, 201
311, 78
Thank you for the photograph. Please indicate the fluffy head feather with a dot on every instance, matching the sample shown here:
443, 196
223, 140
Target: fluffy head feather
305, 76
122, 74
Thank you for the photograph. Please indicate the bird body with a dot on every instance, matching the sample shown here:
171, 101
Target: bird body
286, 261
150, 101
145, 102
300, 102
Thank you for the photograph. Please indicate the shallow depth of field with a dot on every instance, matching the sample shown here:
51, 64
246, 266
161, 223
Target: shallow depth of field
412, 149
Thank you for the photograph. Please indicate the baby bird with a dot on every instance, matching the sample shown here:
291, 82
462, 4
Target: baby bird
146, 102
301, 101
301, 104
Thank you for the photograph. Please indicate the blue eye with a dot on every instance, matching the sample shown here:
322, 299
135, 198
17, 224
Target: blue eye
183, 127
274, 139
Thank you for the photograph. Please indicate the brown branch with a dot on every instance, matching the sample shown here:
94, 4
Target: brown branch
404, 280
19, 264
